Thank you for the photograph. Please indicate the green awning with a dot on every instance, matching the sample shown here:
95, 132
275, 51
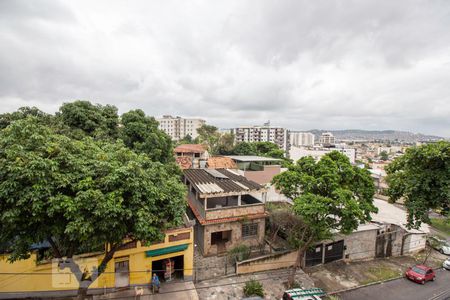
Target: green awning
167, 250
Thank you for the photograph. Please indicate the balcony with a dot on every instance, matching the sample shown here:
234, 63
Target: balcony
226, 207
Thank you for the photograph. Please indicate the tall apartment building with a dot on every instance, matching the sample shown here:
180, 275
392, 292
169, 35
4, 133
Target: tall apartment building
327, 139
277, 135
301, 138
177, 127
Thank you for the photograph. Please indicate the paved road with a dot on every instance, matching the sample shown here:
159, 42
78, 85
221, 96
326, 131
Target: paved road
405, 289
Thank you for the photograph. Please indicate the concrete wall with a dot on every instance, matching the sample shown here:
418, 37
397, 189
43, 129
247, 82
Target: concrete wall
414, 243
267, 262
236, 235
360, 245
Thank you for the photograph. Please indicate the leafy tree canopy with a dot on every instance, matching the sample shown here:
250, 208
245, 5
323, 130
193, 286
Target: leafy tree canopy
422, 177
329, 196
95, 120
140, 133
76, 193
23, 112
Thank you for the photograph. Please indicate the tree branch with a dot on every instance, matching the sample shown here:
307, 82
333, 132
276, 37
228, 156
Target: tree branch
55, 248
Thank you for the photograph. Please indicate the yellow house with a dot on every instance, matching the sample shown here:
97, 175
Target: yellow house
171, 259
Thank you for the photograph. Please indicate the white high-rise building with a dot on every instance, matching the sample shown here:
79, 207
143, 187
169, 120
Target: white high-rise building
302, 139
266, 133
177, 127
327, 139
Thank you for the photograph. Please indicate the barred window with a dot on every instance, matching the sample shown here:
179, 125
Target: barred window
249, 230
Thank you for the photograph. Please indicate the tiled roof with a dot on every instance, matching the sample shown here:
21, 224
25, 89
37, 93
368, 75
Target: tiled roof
185, 162
213, 181
221, 162
190, 148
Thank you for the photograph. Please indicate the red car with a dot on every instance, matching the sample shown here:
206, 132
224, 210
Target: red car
420, 274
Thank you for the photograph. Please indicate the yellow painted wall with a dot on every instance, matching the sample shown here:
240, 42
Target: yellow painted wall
43, 278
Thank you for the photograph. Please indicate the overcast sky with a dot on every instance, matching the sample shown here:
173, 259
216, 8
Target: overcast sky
300, 64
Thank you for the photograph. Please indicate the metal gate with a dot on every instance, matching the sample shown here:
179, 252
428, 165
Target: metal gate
334, 251
314, 256
122, 271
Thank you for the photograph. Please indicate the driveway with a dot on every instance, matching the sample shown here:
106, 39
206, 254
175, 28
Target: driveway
404, 289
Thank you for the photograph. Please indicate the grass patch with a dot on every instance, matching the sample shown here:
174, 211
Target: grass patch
379, 274
442, 225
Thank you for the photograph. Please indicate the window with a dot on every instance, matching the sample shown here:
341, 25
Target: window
249, 230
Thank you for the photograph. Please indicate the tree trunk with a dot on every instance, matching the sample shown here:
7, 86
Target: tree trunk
82, 292
298, 264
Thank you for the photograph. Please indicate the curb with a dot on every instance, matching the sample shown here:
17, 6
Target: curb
372, 283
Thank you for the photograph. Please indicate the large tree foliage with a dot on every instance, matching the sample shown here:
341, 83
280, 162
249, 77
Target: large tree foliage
76, 193
22, 113
329, 196
96, 120
422, 177
140, 133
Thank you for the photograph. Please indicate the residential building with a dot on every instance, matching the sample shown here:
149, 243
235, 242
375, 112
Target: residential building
177, 127
327, 139
298, 139
191, 155
230, 209
132, 265
266, 133
296, 153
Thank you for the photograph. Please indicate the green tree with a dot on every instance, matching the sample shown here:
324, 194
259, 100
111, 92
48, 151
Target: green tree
209, 136
7, 118
100, 121
186, 140
244, 148
422, 177
140, 133
225, 144
329, 196
78, 193
384, 156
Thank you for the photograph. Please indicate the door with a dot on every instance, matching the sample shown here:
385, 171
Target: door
429, 275
314, 256
334, 251
122, 272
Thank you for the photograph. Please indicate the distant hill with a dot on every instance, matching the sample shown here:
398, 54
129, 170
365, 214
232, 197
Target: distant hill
385, 135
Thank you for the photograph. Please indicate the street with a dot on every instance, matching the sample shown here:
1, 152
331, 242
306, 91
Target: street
405, 289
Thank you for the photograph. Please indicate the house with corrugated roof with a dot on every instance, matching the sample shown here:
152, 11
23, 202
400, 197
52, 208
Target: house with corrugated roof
229, 208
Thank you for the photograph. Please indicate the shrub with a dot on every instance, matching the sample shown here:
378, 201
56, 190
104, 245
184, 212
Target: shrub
253, 288
240, 252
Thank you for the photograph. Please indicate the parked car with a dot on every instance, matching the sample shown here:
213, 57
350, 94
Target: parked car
420, 274
446, 264
439, 244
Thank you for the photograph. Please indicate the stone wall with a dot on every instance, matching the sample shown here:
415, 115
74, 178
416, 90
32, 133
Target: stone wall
267, 262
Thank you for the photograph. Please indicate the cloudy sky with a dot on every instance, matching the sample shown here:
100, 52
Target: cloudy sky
300, 64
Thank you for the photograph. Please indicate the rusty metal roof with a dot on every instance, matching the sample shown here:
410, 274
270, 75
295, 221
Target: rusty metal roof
219, 181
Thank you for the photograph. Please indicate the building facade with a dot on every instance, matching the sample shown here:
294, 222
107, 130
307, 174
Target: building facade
327, 139
177, 127
277, 135
229, 210
296, 153
298, 139
170, 258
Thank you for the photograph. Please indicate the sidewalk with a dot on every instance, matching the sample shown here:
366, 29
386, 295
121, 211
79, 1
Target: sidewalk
174, 291
227, 288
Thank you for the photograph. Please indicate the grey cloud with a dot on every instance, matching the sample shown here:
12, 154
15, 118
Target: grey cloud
301, 64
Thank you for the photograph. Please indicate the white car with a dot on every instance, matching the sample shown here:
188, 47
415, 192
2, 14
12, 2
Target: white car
439, 244
446, 264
